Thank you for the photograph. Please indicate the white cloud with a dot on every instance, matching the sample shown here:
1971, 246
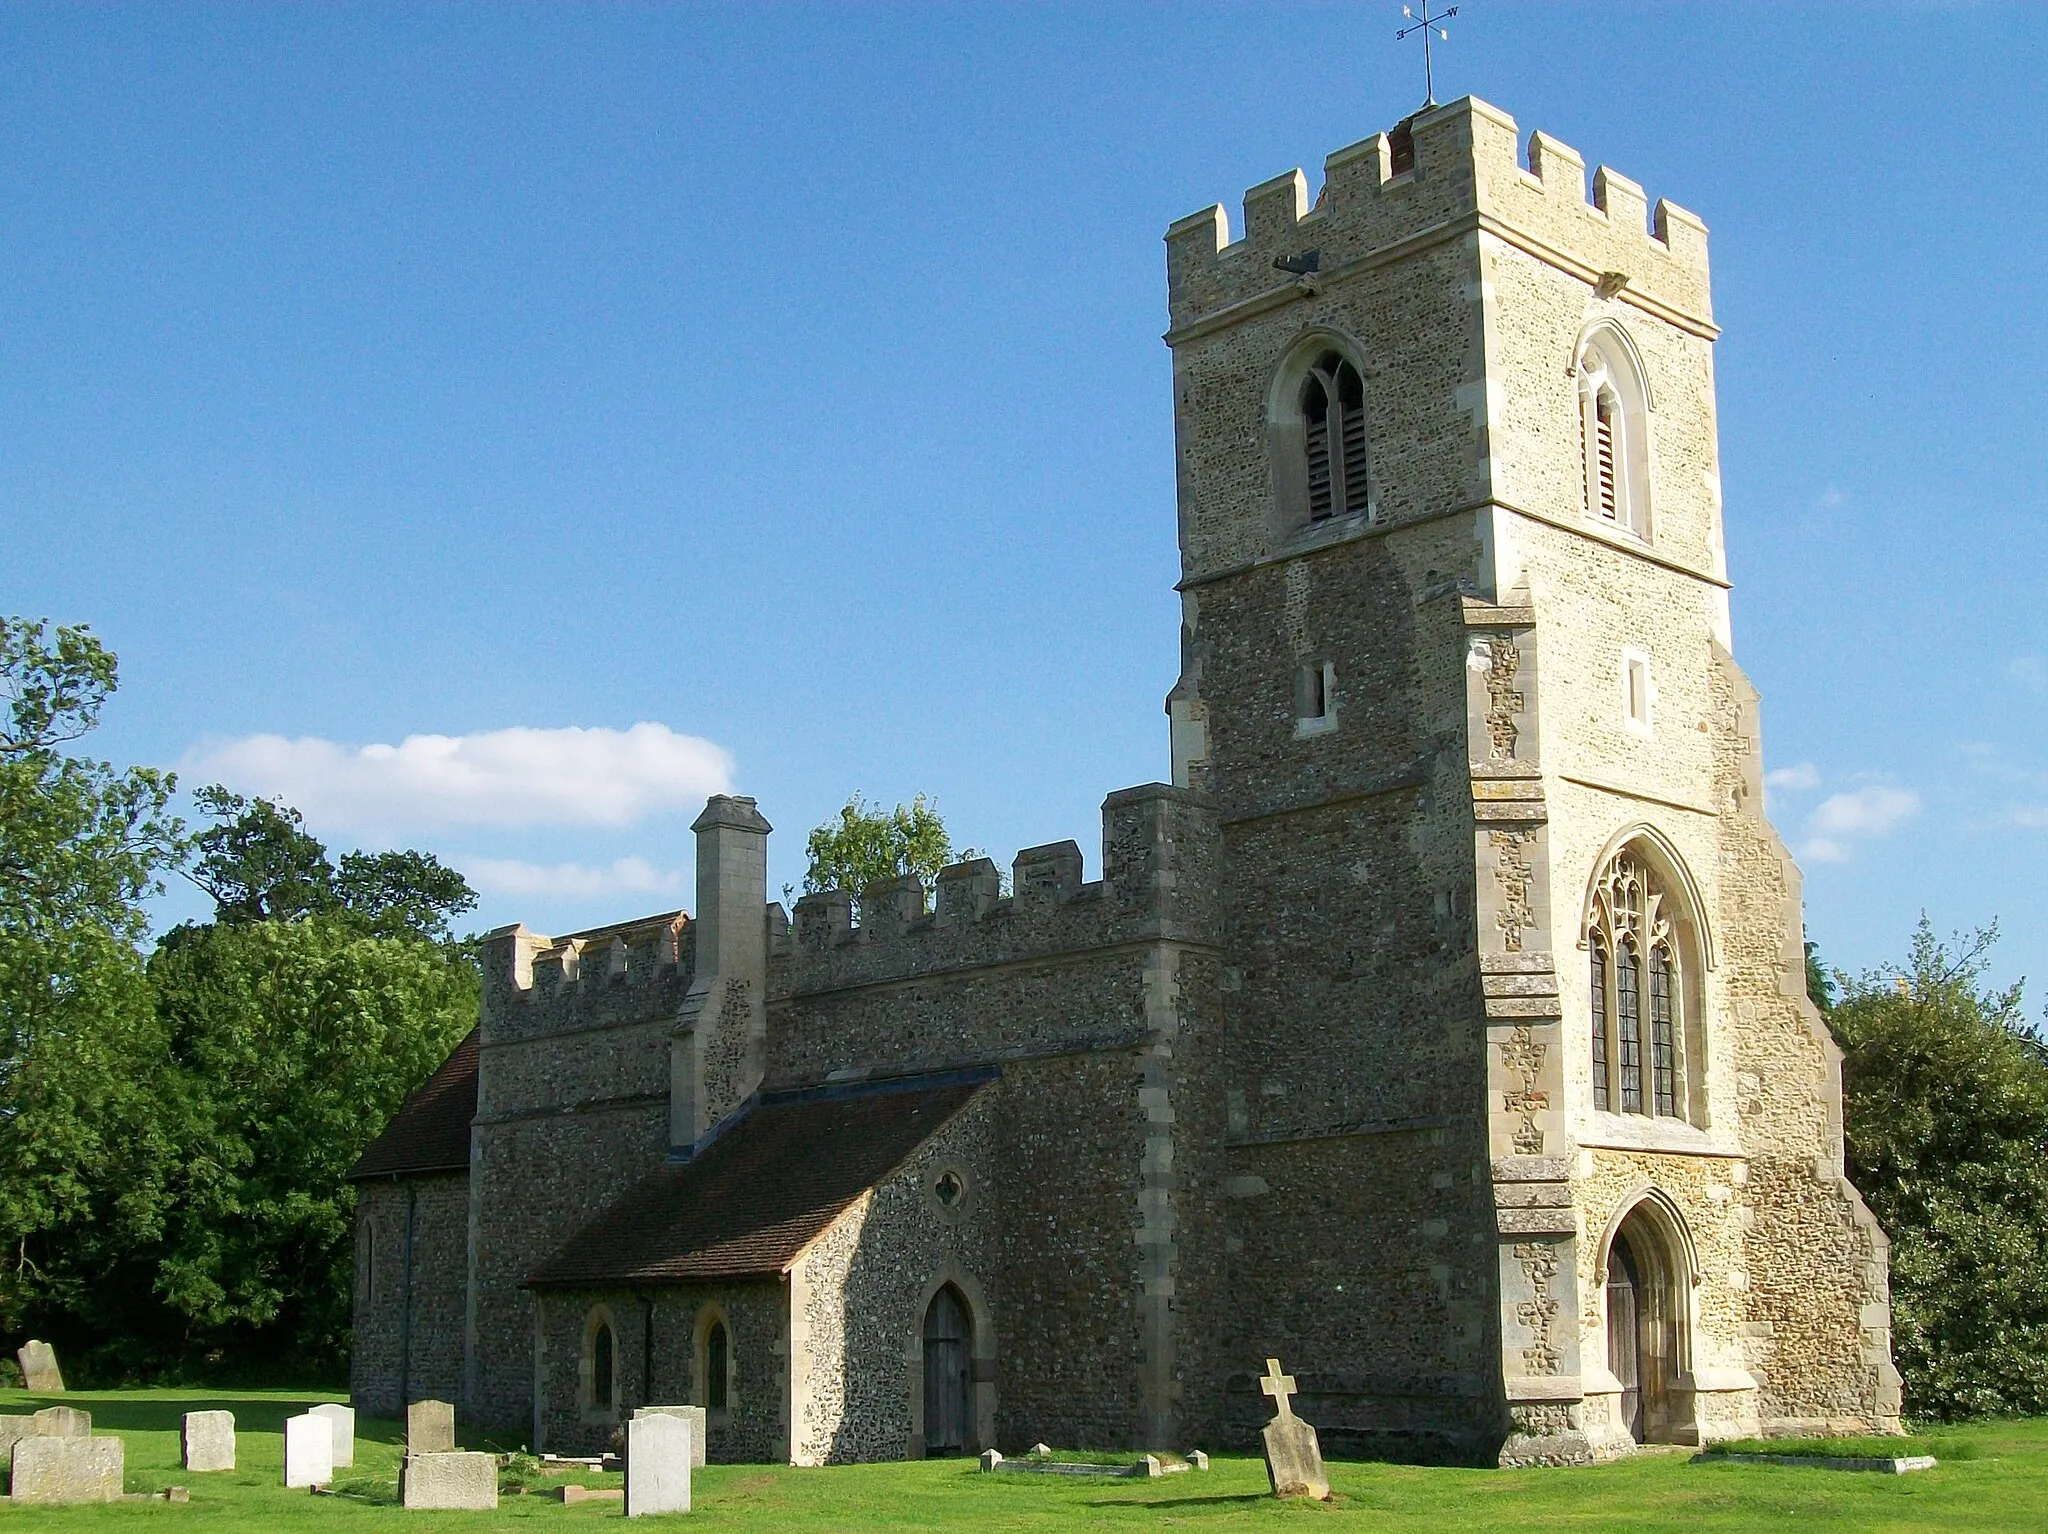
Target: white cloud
1840, 819
572, 881
1830, 498
1804, 775
513, 777
2033, 816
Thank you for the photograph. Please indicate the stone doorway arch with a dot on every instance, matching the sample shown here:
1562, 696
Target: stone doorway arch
1646, 1269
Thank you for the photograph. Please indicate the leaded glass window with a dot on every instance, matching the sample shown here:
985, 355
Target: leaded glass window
1635, 971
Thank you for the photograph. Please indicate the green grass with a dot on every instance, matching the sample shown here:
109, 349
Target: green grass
2003, 1487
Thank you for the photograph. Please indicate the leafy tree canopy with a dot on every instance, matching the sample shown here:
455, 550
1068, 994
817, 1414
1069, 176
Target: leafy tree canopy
1946, 1119
260, 863
868, 845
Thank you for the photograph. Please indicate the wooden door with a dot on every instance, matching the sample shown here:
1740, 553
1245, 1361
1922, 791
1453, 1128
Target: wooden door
1624, 1334
947, 1429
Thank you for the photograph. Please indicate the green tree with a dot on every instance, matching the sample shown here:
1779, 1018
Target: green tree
81, 846
290, 1045
1946, 1119
868, 845
1820, 985
260, 863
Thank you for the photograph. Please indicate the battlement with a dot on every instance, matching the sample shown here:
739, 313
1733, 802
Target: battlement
1157, 844
1433, 177
627, 972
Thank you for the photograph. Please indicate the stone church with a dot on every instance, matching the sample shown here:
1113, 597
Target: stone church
1440, 1030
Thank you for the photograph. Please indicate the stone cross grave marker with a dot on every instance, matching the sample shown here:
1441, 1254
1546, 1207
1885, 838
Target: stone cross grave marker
39, 1372
657, 1465
344, 1420
51, 1469
308, 1450
449, 1480
1294, 1461
208, 1440
429, 1427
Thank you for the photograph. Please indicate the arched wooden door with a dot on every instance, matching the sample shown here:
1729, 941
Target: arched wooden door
947, 1427
1625, 1333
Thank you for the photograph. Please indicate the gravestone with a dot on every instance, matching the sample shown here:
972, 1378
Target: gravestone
39, 1372
1294, 1461
63, 1422
429, 1427
308, 1450
694, 1415
208, 1440
344, 1420
449, 1479
67, 1470
657, 1465
12, 1431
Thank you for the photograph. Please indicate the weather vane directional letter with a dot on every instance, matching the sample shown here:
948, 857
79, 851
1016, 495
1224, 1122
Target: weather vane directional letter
1426, 24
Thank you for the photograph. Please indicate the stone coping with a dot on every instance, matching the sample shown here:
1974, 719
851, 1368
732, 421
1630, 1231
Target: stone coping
1903, 1464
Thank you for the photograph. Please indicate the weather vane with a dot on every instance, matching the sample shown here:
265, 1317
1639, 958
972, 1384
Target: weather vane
1425, 24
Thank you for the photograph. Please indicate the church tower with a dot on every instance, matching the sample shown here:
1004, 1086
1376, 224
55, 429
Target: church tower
1534, 1142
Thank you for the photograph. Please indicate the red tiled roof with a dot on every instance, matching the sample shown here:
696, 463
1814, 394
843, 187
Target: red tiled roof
430, 1132
760, 1192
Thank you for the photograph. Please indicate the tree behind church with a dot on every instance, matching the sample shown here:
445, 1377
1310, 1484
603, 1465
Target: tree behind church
867, 845
1946, 1117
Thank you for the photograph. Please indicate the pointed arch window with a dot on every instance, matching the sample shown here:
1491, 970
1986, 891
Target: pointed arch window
1333, 438
1614, 441
1635, 974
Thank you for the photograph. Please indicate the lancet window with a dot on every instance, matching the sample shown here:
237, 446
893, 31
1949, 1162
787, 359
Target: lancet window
1613, 435
1333, 437
1635, 967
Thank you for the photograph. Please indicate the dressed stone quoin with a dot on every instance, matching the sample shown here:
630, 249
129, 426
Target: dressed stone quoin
1440, 1029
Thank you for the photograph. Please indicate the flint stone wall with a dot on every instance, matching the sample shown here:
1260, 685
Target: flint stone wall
427, 1355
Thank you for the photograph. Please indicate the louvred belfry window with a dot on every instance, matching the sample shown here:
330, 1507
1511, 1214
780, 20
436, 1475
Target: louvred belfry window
1613, 445
1634, 974
1333, 438
1604, 414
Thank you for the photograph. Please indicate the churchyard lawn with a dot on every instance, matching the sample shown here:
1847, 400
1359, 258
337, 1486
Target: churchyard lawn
1994, 1476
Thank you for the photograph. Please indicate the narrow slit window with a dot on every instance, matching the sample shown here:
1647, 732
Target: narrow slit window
1635, 684
717, 1353
1315, 698
603, 1367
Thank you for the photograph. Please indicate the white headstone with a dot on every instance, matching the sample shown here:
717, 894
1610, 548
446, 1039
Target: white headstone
694, 1415
209, 1440
344, 1420
308, 1450
657, 1465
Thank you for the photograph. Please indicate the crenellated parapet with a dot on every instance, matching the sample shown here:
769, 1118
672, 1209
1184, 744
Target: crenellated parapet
1437, 176
1159, 850
629, 972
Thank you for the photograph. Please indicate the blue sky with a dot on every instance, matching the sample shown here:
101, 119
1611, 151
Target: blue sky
404, 390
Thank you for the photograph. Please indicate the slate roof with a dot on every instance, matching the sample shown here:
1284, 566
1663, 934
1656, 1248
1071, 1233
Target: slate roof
751, 1200
430, 1131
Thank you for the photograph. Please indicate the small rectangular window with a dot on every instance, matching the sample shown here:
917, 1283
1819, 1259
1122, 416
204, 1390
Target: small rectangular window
1315, 698
1637, 695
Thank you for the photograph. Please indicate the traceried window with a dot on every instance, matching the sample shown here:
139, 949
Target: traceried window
1613, 436
1634, 969
1333, 437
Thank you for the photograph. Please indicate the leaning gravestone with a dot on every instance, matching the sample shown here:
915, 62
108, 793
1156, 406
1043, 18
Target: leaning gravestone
63, 1422
51, 1470
208, 1440
308, 1450
694, 1415
429, 1427
39, 1372
449, 1480
657, 1465
344, 1420
1294, 1461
